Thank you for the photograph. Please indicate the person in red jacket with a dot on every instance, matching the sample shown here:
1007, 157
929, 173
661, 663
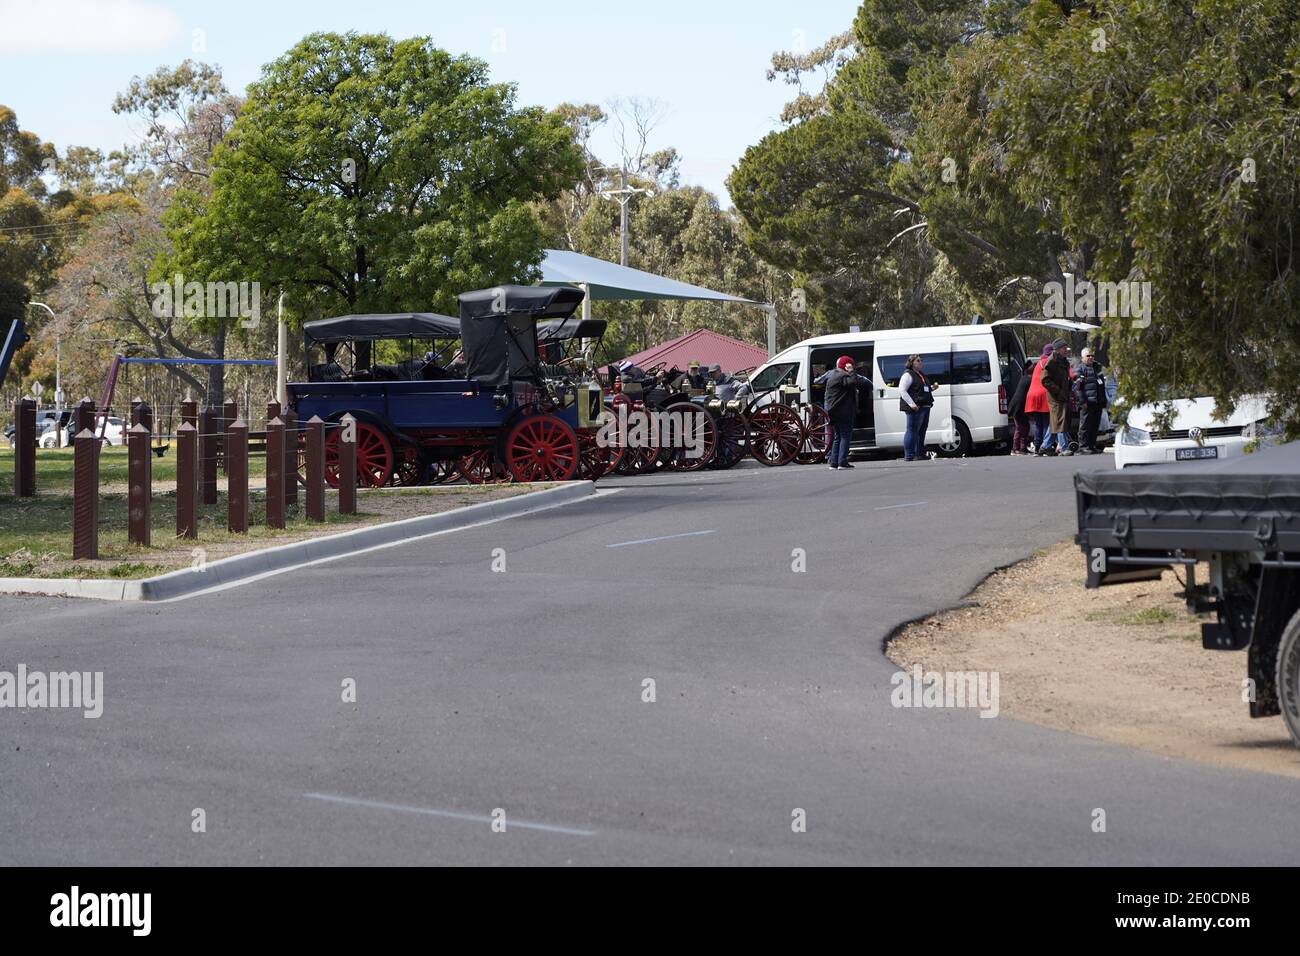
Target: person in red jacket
1036, 402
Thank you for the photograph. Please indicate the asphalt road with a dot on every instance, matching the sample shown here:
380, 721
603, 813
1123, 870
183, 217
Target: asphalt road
522, 691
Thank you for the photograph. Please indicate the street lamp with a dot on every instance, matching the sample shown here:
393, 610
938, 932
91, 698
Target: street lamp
58, 373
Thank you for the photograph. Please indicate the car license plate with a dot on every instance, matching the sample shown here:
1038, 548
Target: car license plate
1195, 454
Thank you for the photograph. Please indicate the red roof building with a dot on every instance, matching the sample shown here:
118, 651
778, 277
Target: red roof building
703, 346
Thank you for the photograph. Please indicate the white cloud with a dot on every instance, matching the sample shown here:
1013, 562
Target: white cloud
85, 26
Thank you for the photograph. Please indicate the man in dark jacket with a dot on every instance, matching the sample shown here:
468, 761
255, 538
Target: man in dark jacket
842, 384
1090, 391
1016, 410
1056, 381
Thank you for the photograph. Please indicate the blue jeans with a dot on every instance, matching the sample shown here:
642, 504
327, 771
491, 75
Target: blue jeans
841, 436
1038, 425
1064, 440
914, 437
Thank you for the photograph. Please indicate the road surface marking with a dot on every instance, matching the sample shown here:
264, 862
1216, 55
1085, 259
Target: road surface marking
910, 504
449, 814
666, 537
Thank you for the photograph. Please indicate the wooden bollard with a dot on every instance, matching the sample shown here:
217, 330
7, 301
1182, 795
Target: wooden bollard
190, 412
229, 412
315, 469
237, 476
272, 411
275, 473
24, 448
209, 425
139, 469
85, 496
142, 414
347, 465
187, 481
292, 440
83, 416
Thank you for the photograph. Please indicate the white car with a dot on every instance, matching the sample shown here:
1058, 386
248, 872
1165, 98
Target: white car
1194, 435
114, 433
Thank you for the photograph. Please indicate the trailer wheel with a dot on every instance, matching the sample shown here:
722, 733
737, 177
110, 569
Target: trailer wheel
542, 448
1288, 676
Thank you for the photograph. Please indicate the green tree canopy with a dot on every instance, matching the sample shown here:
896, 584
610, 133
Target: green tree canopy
366, 174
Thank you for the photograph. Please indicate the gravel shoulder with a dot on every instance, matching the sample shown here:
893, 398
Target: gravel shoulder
1122, 663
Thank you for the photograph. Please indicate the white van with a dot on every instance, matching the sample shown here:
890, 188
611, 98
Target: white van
975, 368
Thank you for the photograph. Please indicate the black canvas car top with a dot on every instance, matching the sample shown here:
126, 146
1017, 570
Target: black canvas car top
539, 302
396, 325
559, 330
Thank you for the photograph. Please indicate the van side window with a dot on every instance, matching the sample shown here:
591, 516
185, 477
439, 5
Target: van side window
937, 367
775, 376
971, 368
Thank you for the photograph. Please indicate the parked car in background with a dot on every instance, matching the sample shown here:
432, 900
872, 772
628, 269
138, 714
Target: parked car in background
1194, 434
114, 433
46, 418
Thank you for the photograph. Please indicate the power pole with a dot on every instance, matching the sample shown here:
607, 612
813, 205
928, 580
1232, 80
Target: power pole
623, 195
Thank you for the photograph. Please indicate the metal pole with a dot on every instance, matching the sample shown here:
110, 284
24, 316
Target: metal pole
281, 357
622, 205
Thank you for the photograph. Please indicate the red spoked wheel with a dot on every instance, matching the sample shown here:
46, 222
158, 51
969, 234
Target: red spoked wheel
595, 458
775, 434
442, 472
410, 465
696, 431
480, 467
374, 456
642, 451
816, 435
542, 448
732, 435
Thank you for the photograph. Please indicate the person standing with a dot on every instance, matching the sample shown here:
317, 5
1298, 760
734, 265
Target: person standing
1090, 391
1016, 409
842, 384
915, 398
1036, 403
1055, 377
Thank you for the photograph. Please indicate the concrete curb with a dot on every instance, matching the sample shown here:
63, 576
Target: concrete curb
243, 567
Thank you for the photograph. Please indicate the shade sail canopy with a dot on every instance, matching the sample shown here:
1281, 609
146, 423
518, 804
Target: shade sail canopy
369, 328
608, 280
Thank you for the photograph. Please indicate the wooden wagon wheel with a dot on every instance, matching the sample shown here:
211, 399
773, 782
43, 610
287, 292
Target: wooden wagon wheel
442, 471
733, 432
542, 448
816, 435
643, 457
410, 465
374, 456
775, 434
595, 459
480, 467
700, 432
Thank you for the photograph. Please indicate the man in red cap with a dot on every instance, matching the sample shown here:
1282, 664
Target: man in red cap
842, 384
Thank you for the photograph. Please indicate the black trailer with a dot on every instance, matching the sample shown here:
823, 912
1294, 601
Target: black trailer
1241, 517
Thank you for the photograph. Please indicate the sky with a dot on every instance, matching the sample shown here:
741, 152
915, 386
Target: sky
62, 61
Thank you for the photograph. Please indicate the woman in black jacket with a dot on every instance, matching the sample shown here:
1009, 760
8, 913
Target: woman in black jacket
1016, 409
